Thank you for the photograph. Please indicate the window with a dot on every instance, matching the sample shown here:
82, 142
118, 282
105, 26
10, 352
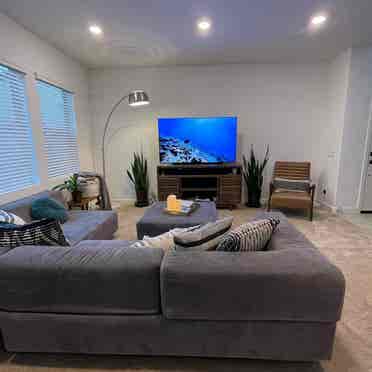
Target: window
59, 128
18, 164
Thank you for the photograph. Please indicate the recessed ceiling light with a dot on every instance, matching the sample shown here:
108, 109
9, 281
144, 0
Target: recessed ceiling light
95, 30
204, 24
319, 19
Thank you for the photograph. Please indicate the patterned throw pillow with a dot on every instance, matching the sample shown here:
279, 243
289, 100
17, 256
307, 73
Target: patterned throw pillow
43, 232
285, 184
252, 236
204, 238
7, 217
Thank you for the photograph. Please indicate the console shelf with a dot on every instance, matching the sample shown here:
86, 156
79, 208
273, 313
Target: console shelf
219, 182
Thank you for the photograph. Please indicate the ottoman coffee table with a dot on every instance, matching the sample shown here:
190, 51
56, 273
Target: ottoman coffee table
155, 221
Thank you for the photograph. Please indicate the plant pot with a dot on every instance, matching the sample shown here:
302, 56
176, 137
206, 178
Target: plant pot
76, 196
254, 199
142, 199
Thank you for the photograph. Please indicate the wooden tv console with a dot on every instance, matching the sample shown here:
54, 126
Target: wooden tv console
219, 182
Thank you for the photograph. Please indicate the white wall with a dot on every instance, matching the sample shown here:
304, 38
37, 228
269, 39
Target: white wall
22, 48
355, 138
285, 106
331, 135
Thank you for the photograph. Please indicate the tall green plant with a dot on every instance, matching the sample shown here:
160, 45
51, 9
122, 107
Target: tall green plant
253, 175
138, 174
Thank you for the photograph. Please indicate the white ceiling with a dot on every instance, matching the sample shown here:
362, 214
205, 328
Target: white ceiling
162, 32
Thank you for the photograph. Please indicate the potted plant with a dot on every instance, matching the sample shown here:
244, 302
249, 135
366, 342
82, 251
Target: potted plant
253, 175
71, 185
140, 179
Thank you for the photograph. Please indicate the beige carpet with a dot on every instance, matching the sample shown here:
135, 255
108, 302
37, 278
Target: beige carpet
347, 245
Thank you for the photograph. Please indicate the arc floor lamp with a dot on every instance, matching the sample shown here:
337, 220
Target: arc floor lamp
135, 98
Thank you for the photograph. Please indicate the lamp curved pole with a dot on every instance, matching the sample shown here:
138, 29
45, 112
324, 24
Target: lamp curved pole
107, 126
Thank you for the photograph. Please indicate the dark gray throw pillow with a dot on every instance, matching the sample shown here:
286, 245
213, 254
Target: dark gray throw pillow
203, 238
249, 237
44, 232
48, 208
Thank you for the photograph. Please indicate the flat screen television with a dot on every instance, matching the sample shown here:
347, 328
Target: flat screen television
197, 140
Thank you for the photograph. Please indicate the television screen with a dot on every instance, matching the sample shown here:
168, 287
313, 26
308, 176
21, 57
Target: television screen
197, 140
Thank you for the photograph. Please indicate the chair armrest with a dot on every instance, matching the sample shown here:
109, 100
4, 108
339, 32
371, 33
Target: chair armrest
312, 190
272, 187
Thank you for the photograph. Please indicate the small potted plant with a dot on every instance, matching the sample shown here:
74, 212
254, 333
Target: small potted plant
138, 174
253, 175
71, 185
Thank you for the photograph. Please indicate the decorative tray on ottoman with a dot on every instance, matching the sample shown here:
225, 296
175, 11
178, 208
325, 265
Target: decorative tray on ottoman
186, 209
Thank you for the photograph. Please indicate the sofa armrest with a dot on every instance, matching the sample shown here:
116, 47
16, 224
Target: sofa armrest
104, 277
288, 285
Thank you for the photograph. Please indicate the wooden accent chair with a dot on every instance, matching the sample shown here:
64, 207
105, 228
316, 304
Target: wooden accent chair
292, 199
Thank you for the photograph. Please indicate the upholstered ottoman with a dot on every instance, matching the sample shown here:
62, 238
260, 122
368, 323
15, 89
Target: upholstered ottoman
155, 221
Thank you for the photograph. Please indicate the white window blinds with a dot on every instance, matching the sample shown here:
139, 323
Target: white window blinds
59, 128
17, 159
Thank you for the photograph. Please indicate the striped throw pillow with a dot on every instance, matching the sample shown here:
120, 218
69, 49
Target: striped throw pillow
203, 238
250, 237
43, 232
10, 218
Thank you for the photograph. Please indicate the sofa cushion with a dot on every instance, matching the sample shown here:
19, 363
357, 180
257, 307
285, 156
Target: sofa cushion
90, 225
293, 283
94, 277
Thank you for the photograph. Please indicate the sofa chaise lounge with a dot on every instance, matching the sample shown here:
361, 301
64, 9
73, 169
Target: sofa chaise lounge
81, 225
105, 297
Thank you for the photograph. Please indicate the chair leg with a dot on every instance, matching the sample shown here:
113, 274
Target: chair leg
311, 213
269, 205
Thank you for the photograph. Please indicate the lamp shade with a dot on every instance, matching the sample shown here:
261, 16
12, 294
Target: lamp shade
138, 98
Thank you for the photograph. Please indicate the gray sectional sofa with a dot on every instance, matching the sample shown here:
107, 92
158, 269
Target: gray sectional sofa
104, 297
81, 225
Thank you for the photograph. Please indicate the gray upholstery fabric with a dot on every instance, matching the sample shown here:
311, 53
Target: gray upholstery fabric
156, 222
293, 283
155, 335
81, 225
22, 207
103, 297
104, 277
90, 225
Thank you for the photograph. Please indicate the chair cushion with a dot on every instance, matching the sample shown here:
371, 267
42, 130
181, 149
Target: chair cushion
287, 184
94, 277
90, 225
294, 199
